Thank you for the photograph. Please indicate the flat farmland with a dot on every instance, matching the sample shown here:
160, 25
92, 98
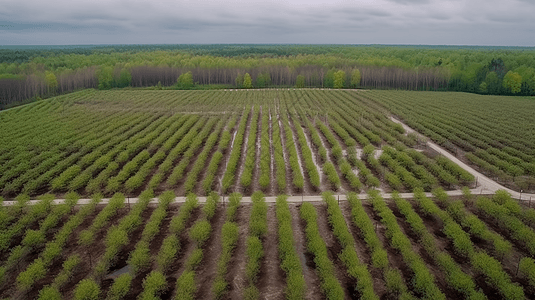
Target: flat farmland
431, 247
295, 142
234, 148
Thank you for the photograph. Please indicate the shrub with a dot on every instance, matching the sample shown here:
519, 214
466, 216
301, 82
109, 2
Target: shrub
153, 285
185, 286
168, 253
49, 293
87, 289
120, 287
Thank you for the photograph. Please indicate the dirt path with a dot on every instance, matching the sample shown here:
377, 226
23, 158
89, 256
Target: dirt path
485, 184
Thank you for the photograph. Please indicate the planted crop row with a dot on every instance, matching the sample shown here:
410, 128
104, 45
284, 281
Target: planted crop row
196, 143
315, 245
250, 157
290, 263
187, 135
117, 237
106, 164
473, 224
427, 179
481, 261
312, 171
349, 175
87, 236
213, 166
34, 240
355, 269
52, 292
265, 151
336, 149
171, 245
199, 233
434, 168
232, 164
278, 154
423, 281
503, 198
37, 269
32, 213
229, 239
514, 227
379, 257
198, 166
297, 177
455, 277
255, 249
139, 258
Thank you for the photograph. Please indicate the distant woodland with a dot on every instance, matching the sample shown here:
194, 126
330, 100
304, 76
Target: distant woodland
29, 73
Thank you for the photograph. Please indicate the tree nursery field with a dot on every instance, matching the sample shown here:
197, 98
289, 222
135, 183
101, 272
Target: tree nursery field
432, 247
224, 145
277, 141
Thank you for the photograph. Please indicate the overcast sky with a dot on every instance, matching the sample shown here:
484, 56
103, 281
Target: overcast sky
436, 22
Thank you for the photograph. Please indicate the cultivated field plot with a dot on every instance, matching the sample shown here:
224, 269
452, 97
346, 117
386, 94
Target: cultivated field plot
430, 247
277, 141
497, 134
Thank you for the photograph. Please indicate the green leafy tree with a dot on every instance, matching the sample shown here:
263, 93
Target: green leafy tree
51, 82
239, 81
247, 81
328, 79
263, 80
355, 78
300, 81
185, 81
339, 79
483, 87
125, 78
512, 81
105, 78
493, 83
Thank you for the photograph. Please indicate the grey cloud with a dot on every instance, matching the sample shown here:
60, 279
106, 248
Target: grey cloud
408, 2
270, 21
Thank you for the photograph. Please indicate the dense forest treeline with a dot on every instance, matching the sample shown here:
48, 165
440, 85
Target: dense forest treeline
30, 72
